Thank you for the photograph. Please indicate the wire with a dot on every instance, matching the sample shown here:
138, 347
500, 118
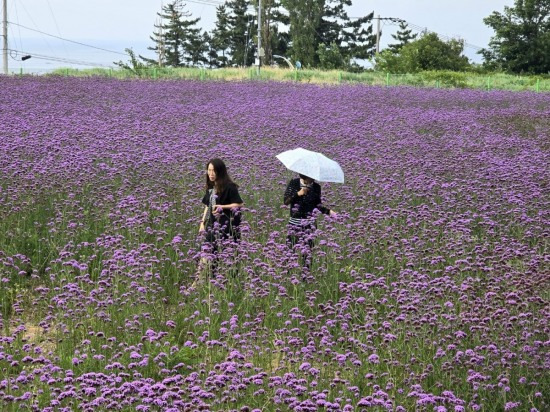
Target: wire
67, 40
58, 59
394, 20
33, 22
56, 26
442, 36
19, 29
206, 2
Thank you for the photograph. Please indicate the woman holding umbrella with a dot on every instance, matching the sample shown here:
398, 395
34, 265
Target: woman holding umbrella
303, 194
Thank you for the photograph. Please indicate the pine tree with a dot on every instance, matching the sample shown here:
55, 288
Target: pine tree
317, 27
358, 38
273, 41
242, 31
305, 17
174, 34
354, 38
196, 48
220, 39
403, 36
278, 39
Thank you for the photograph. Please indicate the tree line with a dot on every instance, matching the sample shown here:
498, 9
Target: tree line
321, 34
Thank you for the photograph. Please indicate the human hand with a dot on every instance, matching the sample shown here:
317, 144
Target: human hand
201, 227
333, 213
303, 191
217, 211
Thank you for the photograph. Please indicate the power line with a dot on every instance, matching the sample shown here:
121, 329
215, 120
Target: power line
67, 40
394, 20
58, 59
444, 37
19, 29
35, 25
206, 2
55, 22
441, 36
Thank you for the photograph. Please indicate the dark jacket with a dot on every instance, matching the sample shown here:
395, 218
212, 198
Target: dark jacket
301, 207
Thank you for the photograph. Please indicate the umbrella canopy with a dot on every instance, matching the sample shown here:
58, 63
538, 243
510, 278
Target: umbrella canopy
312, 164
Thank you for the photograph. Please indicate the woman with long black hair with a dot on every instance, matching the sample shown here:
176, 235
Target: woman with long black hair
221, 217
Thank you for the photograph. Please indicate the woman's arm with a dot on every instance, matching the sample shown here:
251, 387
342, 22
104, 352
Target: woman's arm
230, 205
217, 212
292, 192
233, 197
203, 220
324, 210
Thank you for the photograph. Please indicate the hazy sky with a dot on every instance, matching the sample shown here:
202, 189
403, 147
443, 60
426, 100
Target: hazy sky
117, 24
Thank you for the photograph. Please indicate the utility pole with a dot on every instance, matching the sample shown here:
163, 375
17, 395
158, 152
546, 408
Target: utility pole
260, 50
5, 35
378, 34
392, 19
161, 45
161, 38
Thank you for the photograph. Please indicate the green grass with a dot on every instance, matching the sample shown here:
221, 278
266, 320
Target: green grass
434, 79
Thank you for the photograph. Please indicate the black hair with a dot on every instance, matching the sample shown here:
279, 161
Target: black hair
222, 177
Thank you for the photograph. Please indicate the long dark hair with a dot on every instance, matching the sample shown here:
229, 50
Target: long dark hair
222, 177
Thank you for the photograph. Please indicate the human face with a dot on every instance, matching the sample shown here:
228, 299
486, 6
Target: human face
307, 180
211, 172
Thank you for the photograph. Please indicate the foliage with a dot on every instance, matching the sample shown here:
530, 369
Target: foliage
330, 57
316, 24
521, 43
220, 38
177, 41
134, 65
445, 78
472, 79
295, 28
403, 36
305, 17
242, 31
274, 40
426, 53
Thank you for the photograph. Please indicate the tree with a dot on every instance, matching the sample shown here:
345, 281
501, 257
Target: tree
242, 30
174, 36
359, 41
273, 41
220, 39
403, 36
354, 40
330, 57
304, 17
134, 65
427, 53
318, 26
522, 37
197, 47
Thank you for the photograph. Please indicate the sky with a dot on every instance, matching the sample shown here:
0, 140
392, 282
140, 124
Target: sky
113, 25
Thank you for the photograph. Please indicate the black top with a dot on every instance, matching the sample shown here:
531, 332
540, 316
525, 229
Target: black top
230, 194
301, 207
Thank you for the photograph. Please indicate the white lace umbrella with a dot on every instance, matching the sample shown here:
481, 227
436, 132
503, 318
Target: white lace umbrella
312, 164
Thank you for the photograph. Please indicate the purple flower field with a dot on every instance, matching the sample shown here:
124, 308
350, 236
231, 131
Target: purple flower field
429, 291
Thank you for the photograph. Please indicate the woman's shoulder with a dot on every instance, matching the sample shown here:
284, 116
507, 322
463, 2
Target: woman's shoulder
231, 187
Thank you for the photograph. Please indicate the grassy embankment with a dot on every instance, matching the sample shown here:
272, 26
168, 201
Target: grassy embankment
437, 79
